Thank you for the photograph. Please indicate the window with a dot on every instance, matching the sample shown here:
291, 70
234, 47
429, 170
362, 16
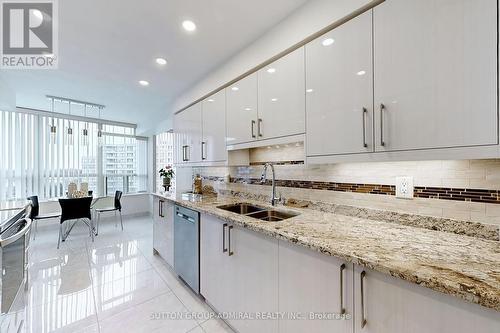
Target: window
164, 144
32, 164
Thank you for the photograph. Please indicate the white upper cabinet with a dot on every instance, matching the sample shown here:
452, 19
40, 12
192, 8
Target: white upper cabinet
241, 110
435, 73
187, 126
180, 138
339, 90
213, 145
282, 97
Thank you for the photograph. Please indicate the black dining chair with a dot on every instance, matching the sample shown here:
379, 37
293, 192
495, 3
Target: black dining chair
117, 207
35, 215
77, 209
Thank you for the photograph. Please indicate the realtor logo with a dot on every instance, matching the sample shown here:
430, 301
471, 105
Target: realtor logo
29, 34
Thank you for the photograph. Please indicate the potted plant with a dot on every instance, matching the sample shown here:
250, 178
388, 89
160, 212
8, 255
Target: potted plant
167, 173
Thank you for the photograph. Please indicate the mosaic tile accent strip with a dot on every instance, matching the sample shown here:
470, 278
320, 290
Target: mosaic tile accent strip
329, 186
443, 193
278, 163
459, 194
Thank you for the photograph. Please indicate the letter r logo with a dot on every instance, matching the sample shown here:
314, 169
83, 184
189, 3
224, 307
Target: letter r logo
27, 27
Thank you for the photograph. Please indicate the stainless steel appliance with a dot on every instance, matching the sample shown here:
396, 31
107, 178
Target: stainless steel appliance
187, 246
14, 242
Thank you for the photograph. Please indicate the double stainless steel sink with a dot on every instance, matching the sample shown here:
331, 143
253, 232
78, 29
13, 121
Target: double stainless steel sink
264, 214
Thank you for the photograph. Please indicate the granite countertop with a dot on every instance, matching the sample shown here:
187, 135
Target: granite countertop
458, 265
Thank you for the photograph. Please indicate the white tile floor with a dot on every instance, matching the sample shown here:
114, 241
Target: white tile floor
115, 284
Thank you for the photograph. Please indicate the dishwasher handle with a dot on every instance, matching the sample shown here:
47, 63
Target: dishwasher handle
19, 234
185, 217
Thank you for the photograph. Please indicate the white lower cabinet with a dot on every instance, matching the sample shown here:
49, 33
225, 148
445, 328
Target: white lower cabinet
163, 229
392, 305
313, 283
239, 274
246, 273
215, 275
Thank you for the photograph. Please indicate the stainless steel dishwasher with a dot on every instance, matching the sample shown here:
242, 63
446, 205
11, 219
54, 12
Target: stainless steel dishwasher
187, 246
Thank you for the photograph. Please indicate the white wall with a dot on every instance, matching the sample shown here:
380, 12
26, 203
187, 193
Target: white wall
308, 19
7, 97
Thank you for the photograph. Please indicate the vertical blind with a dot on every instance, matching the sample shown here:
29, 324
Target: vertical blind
31, 164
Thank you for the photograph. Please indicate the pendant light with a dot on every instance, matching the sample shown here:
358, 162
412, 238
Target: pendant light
69, 130
53, 128
99, 131
85, 132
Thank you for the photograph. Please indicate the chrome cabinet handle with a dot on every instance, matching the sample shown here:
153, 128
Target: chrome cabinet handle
224, 226
259, 127
382, 109
230, 253
184, 153
342, 309
203, 156
364, 127
160, 208
363, 319
253, 124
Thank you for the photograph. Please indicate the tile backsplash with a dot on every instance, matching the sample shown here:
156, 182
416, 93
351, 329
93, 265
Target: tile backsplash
469, 187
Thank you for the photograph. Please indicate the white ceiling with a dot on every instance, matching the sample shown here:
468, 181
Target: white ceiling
105, 47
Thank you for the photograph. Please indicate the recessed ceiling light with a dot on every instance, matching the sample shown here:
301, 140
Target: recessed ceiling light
309, 90
144, 83
248, 109
235, 88
328, 42
274, 99
271, 70
361, 73
189, 25
210, 100
161, 61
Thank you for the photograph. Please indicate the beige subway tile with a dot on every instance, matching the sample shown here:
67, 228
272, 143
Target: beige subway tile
457, 214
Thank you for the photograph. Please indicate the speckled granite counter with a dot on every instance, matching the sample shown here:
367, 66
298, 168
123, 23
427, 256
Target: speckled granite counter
458, 265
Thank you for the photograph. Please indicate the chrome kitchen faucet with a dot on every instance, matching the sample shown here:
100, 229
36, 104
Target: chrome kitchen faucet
273, 184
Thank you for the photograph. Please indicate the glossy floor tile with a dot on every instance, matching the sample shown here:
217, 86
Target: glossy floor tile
114, 284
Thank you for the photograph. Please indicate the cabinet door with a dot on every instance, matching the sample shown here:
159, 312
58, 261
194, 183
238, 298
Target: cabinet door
282, 97
241, 110
214, 128
168, 227
157, 224
339, 90
163, 229
180, 138
392, 305
216, 277
435, 73
254, 259
193, 128
311, 282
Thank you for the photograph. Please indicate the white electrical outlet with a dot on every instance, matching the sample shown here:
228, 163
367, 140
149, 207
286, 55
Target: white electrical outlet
404, 187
